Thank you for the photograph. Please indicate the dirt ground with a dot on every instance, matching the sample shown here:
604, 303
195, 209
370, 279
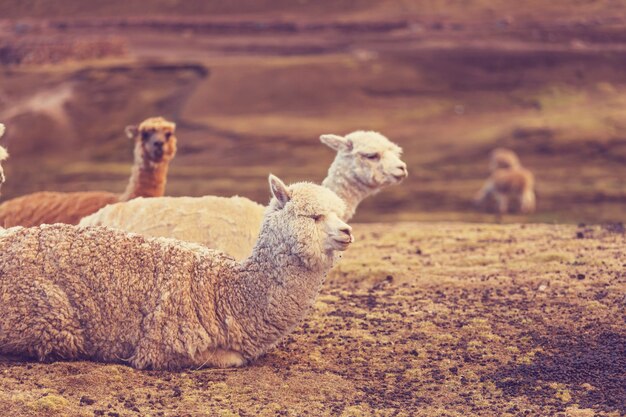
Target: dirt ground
418, 319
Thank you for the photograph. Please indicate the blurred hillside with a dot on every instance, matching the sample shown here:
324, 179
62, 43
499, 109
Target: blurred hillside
457, 9
253, 84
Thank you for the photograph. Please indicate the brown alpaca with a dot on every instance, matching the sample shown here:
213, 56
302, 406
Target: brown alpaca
509, 180
155, 146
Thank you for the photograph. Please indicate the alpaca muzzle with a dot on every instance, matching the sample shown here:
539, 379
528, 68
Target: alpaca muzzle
342, 237
400, 172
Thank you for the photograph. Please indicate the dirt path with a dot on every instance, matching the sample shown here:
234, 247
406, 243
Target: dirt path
418, 319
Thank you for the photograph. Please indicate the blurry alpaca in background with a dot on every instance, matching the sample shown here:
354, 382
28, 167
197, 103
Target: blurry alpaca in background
509, 181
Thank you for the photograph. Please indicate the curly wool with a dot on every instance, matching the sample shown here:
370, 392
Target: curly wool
70, 292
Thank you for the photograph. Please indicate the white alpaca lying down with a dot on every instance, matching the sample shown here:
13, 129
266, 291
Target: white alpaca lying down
366, 162
70, 292
228, 224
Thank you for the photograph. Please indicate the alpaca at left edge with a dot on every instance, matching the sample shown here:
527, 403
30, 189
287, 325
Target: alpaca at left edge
3, 156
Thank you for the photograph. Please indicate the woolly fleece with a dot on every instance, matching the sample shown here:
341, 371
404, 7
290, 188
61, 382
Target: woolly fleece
70, 292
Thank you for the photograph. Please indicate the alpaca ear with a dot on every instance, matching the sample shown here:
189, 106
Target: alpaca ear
279, 190
131, 131
1, 130
336, 142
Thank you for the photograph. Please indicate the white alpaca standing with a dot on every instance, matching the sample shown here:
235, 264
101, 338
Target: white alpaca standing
366, 162
69, 292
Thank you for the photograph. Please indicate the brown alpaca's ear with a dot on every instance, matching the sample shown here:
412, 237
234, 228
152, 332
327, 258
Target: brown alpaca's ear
131, 131
1, 130
279, 190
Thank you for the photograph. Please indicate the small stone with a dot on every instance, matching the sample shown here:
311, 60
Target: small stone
84, 400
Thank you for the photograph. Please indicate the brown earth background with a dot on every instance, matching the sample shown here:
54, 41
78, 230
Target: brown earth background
253, 84
418, 319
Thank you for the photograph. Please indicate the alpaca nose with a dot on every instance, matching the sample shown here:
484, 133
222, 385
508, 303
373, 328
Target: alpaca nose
401, 171
158, 145
348, 231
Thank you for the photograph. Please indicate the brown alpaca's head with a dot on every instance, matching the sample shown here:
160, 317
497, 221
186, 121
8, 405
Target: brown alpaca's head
154, 140
502, 158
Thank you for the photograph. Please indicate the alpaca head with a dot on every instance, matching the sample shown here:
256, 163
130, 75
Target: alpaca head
368, 158
307, 217
502, 158
154, 140
3, 155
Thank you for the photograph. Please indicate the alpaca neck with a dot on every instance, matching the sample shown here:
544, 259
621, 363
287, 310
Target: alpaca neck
147, 179
351, 190
274, 289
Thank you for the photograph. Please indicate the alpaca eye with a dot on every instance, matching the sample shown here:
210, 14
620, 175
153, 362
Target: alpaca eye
145, 136
168, 135
317, 217
372, 156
